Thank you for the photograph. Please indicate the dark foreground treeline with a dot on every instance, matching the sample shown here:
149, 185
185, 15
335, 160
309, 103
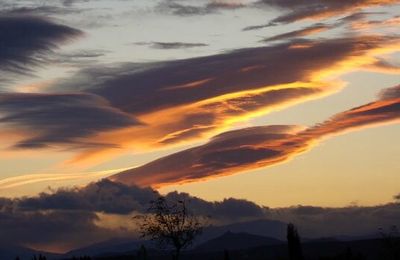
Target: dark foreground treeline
385, 248
351, 250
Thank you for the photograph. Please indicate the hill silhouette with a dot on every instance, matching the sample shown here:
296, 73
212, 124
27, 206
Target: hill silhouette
235, 241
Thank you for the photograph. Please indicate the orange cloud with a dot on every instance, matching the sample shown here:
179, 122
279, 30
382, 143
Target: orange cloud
256, 147
248, 90
177, 102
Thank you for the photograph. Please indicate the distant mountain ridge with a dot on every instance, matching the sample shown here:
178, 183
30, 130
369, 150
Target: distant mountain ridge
12, 252
236, 236
236, 241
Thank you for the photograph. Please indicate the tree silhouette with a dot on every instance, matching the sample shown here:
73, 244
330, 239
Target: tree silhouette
170, 223
142, 253
391, 242
294, 244
226, 255
40, 257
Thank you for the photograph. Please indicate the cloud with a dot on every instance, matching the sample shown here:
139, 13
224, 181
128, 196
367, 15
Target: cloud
115, 198
74, 217
318, 9
185, 100
39, 10
391, 23
256, 147
257, 27
28, 179
25, 39
77, 59
68, 218
172, 45
60, 118
349, 19
390, 93
53, 230
314, 29
103, 196
210, 7
384, 66
346, 221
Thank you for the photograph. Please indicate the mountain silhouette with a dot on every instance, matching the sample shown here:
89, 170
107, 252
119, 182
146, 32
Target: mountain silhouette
235, 241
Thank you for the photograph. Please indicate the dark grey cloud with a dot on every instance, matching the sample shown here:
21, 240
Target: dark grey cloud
342, 21
183, 9
38, 10
115, 198
60, 119
313, 29
77, 59
62, 229
258, 27
172, 45
26, 39
299, 10
346, 221
71, 2
103, 196
358, 16
390, 93
227, 210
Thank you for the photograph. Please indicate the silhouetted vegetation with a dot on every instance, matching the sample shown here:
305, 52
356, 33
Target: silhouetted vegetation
39, 257
170, 224
391, 243
294, 244
142, 253
226, 255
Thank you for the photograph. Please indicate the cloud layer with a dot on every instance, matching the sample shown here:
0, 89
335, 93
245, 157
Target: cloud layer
185, 100
256, 147
25, 39
59, 118
74, 217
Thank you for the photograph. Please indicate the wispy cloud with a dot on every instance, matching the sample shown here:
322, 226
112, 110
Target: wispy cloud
17, 181
204, 8
172, 45
319, 9
314, 29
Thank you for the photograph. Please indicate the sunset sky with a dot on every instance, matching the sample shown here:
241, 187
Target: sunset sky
279, 102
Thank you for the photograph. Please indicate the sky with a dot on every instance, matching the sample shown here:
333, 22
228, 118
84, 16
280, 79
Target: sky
282, 110
278, 102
